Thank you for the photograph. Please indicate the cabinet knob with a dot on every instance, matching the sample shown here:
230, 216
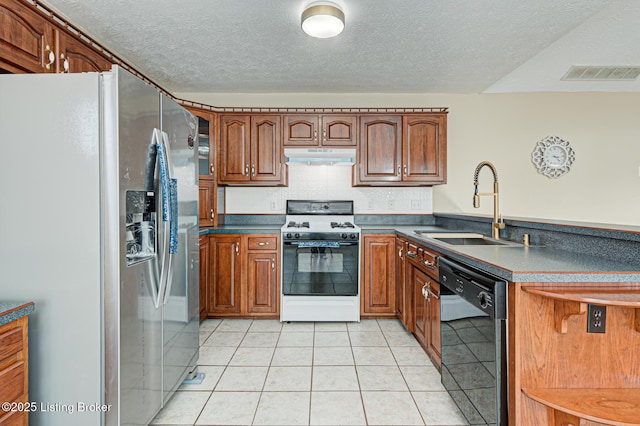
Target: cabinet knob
405, 169
399, 172
262, 243
237, 250
253, 170
246, 170
315, 135
211, 168
213, 215
65, 63
52, 57
273, 264
324, 135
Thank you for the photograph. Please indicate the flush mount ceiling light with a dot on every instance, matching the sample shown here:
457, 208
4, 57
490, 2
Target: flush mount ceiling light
322, 20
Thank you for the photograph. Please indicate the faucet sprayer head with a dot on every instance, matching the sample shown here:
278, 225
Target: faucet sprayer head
476, 197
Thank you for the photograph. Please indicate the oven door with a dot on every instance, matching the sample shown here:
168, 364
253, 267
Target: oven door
320, 268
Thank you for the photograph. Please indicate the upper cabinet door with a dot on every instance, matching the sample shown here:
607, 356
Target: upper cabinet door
266, 148
234, 154
27, 39
75, 56
424, 148
206, 143
380, 149
339, 130
301, 130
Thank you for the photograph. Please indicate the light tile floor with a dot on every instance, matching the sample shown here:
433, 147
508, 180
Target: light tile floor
264, 372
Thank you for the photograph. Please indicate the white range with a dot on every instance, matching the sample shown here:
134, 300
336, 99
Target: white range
320, 262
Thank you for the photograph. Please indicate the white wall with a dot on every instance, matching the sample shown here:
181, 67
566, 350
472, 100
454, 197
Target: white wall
603, 129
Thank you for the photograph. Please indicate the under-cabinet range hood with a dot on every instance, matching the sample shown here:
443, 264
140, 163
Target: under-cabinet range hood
321, 156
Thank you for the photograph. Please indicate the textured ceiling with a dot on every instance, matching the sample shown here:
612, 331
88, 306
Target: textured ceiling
402, 46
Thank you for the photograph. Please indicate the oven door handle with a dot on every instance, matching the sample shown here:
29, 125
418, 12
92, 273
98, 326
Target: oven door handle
327, 244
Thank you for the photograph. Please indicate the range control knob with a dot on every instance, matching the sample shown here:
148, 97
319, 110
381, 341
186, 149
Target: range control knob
288, 235
343, 236
352, 236
297, 235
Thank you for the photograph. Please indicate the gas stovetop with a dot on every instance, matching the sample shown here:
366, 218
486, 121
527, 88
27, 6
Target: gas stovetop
309, 219
307, 229
316, 225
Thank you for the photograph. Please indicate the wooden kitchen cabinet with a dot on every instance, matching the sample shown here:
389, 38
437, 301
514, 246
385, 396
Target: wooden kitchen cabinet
422, 280
424, 148
250, 150
204, 276
378, 275
402, 150
207, 203
263, 284
426, 312
403, 289
559, 373
206, 143
380, 149
225, 275
234, 149
207, 184
14, 370
419, 282
329, 130
244, 275
31, 42
27, 39
74, 56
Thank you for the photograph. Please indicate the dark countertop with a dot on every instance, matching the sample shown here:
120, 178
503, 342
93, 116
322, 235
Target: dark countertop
520, 263
516, 263
242, 229
11, 311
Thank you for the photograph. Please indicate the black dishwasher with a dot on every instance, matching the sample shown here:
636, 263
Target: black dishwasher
474, 347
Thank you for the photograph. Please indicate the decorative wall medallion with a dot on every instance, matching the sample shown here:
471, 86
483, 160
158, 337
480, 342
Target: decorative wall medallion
553, 156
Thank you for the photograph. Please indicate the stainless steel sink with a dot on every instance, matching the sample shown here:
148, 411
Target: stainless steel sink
463, 238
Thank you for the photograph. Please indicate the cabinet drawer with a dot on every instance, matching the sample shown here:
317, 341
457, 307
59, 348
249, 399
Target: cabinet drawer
429, 260
263, 243
12, 379
10, 343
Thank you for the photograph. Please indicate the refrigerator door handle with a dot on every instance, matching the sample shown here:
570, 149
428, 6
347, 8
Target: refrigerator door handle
165, 184
173, 220
154, 270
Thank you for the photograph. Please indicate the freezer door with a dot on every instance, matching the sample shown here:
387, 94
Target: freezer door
133, 321
181, 300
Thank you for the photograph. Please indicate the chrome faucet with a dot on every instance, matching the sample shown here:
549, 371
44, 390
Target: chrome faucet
497, 223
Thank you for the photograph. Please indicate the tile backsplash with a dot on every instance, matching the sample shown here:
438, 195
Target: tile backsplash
328, 183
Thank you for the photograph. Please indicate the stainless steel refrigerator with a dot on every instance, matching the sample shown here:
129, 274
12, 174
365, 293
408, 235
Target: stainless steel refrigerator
99, 227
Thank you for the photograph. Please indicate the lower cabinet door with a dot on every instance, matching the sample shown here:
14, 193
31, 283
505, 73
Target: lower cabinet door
262, 283
435, 346
378, 277
204, 277
419, 282
225, 269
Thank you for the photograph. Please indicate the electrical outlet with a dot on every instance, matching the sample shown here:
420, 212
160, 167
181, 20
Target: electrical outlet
596, 318
273, 206
416, 204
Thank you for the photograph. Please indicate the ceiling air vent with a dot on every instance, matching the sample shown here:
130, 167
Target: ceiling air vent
611, 73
